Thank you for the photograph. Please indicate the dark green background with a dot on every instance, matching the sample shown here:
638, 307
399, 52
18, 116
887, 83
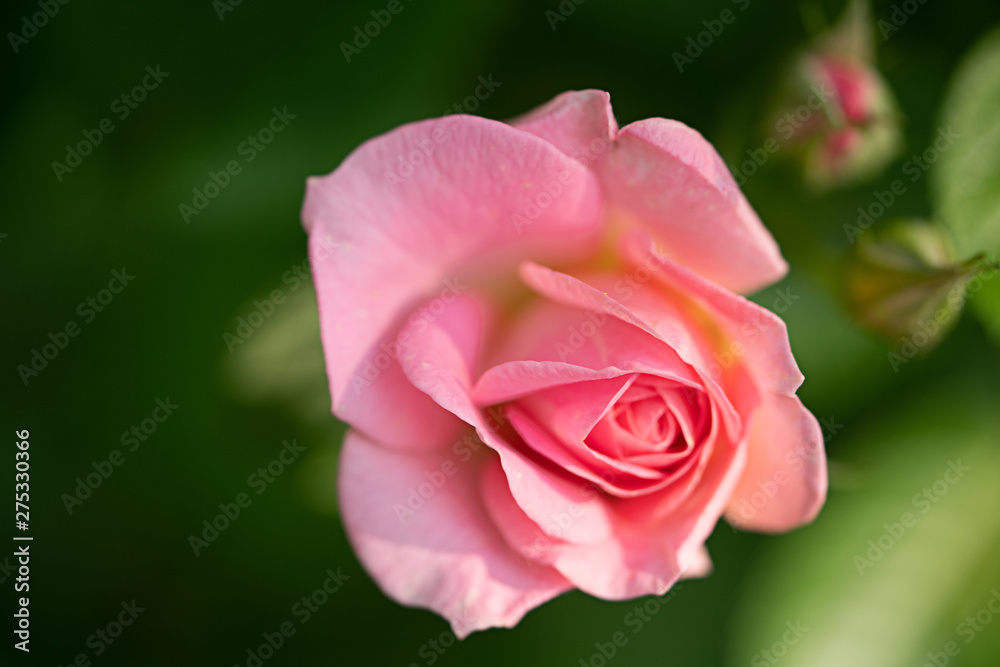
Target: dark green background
162, 336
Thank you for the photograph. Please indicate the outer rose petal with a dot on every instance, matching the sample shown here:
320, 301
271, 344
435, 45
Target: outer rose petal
379, 248
573, 122
447, 557
664, 176
786, 443
701, 565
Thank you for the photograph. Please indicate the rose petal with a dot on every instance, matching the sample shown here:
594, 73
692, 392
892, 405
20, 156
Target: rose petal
571, 411
628, 564
784, 439
380, 244
447, 556
579, 123
786, 467
648, 310
552, 344
666, 177
435, 363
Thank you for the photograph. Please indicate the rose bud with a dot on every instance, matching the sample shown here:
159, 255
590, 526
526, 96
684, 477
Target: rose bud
837, 111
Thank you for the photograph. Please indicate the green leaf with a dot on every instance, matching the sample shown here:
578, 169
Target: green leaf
282, 361
902, 278
894, 565
986, 304
966, 180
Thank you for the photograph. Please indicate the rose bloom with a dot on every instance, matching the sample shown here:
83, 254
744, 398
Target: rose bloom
534, 332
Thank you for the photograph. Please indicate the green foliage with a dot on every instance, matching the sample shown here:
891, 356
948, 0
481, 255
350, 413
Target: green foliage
967, 180
902, 555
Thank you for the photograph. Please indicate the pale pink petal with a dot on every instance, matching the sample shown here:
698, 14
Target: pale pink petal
381, 244
551, 344
446, 555
579, 123
634, 564
647, 309
570, 411
785, 482
643, 557
617, 478
523, 536
700, 565
665, 177
436, 363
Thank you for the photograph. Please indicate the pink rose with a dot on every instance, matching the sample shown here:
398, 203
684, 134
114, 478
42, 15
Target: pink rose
532, 330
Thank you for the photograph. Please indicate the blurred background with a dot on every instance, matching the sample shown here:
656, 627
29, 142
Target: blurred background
137, 271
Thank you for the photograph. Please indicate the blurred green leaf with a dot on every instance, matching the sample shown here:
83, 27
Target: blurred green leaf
889, 571
966, 182
902, 278
987, 305
282, 360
